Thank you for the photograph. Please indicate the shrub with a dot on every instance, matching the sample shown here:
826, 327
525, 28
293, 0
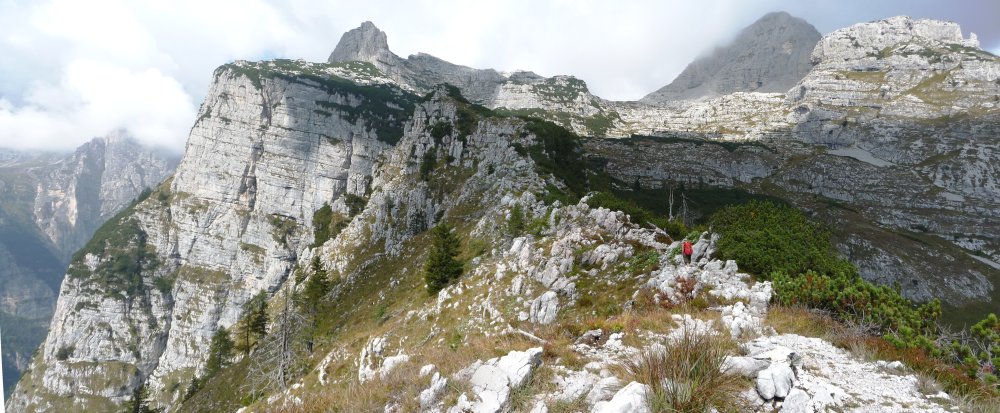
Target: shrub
851, 298
322, 220
355, 204
515, 222
442, 266
282, 228
637, 214
439, 131
558, 152
427, 164
65, 352
765, 237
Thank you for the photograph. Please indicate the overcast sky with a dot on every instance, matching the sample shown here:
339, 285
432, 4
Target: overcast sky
71, 70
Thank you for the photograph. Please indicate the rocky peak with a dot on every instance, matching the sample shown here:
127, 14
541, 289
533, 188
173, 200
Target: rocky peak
770, 55
365, 43
873, 38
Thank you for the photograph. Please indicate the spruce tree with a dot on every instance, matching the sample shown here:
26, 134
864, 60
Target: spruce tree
442, 266
253, 325
308, 300
220, 351
316, 287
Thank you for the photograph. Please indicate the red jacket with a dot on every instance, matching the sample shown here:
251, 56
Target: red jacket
688, 250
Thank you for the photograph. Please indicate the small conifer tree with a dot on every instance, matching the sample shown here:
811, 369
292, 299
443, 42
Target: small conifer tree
442, 266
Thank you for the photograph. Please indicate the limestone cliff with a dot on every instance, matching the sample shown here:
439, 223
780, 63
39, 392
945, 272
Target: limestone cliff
269, 148
770, 55
276, 141
50, 204
889, 137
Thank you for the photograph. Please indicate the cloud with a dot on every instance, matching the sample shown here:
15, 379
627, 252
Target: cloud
92, 98
73, 70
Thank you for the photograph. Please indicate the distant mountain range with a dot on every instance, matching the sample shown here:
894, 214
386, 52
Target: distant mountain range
50, 205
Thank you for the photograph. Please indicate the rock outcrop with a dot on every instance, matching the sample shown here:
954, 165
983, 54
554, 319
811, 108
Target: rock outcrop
50, 205
562, 99
891, 130
275, 142
770, 55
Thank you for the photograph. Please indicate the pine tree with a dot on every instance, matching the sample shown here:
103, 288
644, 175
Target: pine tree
309, 299
253, 325
442, 266
316, 287
140, 402
280, 353
220, 351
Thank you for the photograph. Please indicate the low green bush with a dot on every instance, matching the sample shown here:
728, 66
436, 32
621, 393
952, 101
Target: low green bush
766, 237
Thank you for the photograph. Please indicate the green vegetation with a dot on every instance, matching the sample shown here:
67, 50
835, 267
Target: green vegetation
439, 131
778, 242
515, 222
727, 145
765, 238
252, 326
328, 224
139, 403
558, 152
282, 227
427, 164
65, 352
322, 222
689, 375
442, 266
468, 113
121, 244
637, 214
220, 354
564, 93
309, 300
355, 204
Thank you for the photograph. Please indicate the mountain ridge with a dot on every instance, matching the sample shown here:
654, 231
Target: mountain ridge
276, 142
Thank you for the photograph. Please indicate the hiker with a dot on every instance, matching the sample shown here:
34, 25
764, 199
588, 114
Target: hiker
688, 250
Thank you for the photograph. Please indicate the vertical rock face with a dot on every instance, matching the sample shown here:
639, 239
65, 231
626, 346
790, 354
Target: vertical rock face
771, 55
269, 149
50, 206
78, 194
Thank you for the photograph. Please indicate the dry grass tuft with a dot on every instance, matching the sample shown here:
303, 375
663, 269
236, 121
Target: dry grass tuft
978, 403
800, 320
687, 376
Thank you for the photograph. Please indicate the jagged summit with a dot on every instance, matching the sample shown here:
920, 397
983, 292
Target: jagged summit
564, 99
770, 55
365, 43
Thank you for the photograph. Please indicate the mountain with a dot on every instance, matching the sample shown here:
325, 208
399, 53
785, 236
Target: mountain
323, 180
887, 138
50, 206
770, 55
563, 99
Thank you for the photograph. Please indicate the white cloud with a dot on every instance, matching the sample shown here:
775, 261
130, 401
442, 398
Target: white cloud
92, 98
73, 70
